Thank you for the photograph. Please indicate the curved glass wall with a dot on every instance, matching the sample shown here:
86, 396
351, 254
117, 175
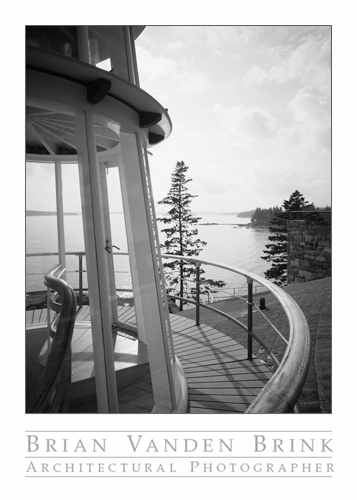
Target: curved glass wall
60, 39
107, 47
92, 142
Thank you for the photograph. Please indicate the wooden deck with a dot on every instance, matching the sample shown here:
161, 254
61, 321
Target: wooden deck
220, 379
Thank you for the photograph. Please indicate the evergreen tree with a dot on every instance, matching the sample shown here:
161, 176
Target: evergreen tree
264, 216
181, 234
277, 250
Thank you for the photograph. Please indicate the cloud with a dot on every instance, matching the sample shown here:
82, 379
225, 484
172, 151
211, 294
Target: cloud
180, 75
155, 67
176, 46
308, 61
215, 38
312, 116
256, 75
191, 81
310, 110
245, 128
261, 141
264, 153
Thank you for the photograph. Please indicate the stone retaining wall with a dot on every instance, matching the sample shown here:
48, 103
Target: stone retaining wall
309, 249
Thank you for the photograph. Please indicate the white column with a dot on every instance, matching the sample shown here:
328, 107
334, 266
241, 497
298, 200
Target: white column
60, 216
147, 295
108, 232
131, 56
97, 264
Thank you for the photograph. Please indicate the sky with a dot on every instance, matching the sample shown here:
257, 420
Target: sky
251, 111
251, 114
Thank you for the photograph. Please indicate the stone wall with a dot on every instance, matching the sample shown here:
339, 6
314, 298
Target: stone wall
309, 249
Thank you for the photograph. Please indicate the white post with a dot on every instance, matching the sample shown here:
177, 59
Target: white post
48, 323
147, 295
60, 216
155, 245
97, 264
110, 257
131, 56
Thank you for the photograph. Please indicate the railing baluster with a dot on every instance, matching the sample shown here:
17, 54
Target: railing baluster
80, 285
48, 322
197, 294
250, 318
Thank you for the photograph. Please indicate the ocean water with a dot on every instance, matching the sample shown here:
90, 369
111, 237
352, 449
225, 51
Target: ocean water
227, 243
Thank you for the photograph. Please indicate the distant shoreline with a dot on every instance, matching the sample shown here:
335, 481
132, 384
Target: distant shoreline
39, 212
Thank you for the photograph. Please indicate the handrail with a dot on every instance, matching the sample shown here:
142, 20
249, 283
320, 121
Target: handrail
51, 394
80, 254
281, 393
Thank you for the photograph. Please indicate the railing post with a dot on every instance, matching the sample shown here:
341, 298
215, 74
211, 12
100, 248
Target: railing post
80, 285
48, 322
250, 318
197, 294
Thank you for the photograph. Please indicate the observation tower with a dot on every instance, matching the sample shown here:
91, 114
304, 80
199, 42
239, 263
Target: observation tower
85, 108
88, 118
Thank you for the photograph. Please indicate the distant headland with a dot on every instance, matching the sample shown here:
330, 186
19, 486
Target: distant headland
39, 212
248, 214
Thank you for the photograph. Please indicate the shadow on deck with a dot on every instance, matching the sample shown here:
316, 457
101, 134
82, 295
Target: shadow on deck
314, 299
220, 379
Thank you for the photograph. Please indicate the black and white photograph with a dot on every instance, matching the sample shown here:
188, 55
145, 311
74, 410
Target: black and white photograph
183, 274
178, 207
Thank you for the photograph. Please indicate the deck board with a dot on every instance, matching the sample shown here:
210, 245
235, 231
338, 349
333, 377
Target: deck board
216, 406
220, 379
127, 314
83, 313
197, 347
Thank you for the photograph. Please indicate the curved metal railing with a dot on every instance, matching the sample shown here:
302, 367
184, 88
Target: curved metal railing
51, 394
281, 393
78, 285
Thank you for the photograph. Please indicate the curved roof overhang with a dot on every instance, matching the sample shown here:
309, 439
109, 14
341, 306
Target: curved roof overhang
152, 115
137, 30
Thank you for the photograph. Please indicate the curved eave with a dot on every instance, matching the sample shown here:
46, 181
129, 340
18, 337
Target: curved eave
120, 89
43, 158
137, 30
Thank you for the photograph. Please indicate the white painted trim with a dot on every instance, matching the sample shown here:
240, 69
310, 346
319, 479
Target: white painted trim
133, 54
155, 246
131, 60
59, 94
60, 217
71, 70
109, 256
32, 158
97, 265
144, 272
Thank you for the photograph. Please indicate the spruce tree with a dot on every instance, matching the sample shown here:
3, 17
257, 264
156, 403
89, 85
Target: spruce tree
264, 216
181, 235
277, 251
